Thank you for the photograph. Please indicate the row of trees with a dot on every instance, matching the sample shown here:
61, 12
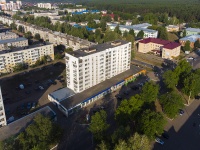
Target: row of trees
41, 134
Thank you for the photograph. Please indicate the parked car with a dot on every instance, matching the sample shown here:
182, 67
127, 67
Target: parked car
134, 87
119, 97
190, 58
28, 106
158, 140
165, 135
33, 105
40, 87
181, 112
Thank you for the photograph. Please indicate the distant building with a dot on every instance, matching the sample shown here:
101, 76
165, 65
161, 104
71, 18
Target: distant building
137, 28
192, 31
71, 10
28, 55
191, 38
90, 66
8, 35
166, 49
128, 23
112, 16
44, 5
16, 42
172, 28
10, 6
2, 111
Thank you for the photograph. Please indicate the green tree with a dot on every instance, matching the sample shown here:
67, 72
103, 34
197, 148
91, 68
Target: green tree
130, 38
187, 46
171, 103
19, 67
149, 92
162, 33
102, 146
140, 34
184, 33
197, 44
139, 142
151, 123
132, 32
28, 35
170, 78
40, 134
111, 36
128, 109
117, 30
21, 29
37, 36
122, 145
98, 125
120, 133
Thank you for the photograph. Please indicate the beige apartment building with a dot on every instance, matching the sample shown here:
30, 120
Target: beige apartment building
17, 42
28, 55
172, 28
166, 49
8, 35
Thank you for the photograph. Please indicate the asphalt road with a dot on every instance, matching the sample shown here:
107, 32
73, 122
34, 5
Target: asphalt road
184, 131
134, 61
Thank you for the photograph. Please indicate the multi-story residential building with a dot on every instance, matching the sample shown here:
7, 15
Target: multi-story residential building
2, 111
172, 28
191, 38
137, 28
11, 5
28, 55
71, 10
192, 31
87, 67
17, 42
166, 49
8, 35
48, 35
46, 14
44, 5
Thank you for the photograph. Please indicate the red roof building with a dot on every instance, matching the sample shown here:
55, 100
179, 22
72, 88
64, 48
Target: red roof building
168, 49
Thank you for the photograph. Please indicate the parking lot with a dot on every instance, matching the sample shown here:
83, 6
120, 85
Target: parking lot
25, 92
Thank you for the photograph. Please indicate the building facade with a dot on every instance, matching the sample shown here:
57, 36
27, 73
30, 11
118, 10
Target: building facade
28, 55
2, 111
191, 38
164, 48
17, 42
172, 28
11, 5
192, 31
44, 5
90, 66
8, 35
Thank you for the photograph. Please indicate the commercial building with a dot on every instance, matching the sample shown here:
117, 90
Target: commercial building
2, 111
68, 102
44, 5
8, 35
191, 38
90, 66
172, 28
17, 42
192, 31
148, 33
28, 55
164, 48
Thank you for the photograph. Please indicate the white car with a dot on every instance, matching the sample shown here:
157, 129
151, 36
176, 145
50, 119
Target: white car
158, 140
41, 88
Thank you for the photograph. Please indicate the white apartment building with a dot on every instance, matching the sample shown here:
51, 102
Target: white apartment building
44, 5
17, 42
148, 33
8, 35
2, 111
28, 55
90, 66
71, 10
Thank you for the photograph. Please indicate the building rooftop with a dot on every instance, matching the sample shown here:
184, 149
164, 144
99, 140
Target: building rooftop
62, 94
193, 29
81, 97
191, 38
13, 40
97, 48
21, 124
172, 26
6, 33
16, 49
165, 43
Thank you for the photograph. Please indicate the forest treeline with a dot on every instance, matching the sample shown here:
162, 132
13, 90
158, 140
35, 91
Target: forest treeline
185, 11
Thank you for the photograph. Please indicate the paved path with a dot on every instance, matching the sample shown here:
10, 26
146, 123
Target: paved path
184, 131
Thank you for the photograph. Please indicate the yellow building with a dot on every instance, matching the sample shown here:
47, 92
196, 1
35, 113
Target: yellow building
166, 49
172, 28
